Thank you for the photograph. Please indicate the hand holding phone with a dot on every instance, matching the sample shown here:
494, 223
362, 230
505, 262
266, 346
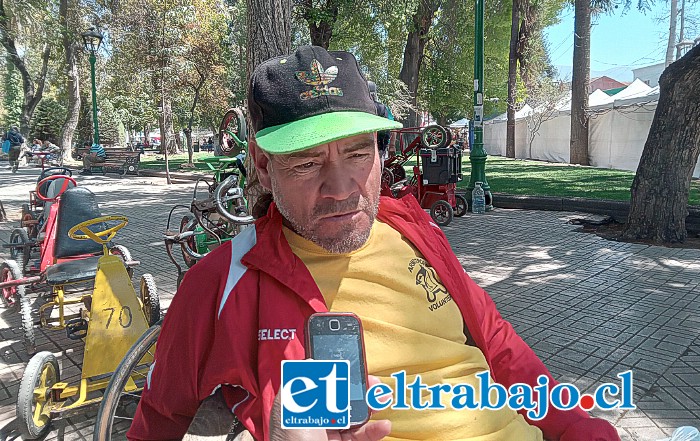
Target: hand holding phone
338, 336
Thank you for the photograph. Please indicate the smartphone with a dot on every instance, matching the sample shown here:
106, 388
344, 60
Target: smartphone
338, 336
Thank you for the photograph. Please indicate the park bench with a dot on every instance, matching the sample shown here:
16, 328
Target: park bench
119, 160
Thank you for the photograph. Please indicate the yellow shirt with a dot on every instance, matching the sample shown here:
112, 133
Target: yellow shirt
410, 323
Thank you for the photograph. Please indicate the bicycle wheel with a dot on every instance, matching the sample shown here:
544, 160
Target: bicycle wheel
123, 392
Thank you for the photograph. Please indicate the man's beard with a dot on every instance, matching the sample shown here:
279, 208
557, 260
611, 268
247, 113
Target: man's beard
347, 241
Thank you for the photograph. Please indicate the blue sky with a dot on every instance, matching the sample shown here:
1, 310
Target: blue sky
631, 39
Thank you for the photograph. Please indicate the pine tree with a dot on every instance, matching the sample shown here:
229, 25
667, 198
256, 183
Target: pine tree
12, 102
47, 121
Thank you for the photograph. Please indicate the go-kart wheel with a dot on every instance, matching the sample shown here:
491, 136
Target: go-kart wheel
187, 224
123, 252
150, 302
34, 401
11, 296
227, 194
102, 236
435, 137
233, 123
25, 309
461, 205
121, 397
27, 223
19, 236
442, 213
387, 178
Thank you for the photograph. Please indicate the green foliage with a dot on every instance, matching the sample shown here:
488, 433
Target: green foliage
12, 98
48, 120
108, 123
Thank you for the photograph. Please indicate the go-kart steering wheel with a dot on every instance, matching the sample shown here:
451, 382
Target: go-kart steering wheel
101, 237
66, 181
221, 196
55, 171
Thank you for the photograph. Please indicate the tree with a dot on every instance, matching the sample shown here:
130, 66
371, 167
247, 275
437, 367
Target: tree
420, 23
47, 121
661, 185
269, 35
33, 87
320, 18
671, 45
12, 99
580, 78
512, 78
67, 13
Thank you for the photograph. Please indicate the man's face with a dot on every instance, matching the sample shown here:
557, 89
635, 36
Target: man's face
328, 194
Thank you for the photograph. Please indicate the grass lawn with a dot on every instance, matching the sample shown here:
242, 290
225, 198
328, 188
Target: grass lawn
515, 176
151, 162
510, 176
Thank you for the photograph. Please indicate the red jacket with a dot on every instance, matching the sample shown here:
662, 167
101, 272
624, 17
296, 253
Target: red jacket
241, 311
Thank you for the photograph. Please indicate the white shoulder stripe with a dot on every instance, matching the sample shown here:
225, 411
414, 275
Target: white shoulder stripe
240, 245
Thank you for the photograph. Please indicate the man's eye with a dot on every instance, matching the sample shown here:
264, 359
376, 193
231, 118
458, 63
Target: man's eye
307, 165
360, 155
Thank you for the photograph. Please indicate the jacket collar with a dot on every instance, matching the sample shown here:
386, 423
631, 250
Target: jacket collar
273, 255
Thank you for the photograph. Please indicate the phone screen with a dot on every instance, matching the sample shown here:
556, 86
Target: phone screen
339, 337
342, 347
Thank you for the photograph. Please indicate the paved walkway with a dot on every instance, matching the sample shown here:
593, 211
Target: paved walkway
590, 308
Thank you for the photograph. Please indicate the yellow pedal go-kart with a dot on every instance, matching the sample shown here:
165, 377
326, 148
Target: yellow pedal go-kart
114, 318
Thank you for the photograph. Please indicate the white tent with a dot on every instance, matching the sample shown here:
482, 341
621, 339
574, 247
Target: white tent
464, 122
637, 89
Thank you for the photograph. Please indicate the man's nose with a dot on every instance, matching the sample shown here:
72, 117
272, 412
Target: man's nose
338, 182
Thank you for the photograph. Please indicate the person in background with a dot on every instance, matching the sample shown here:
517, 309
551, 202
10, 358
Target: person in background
97, 155
16, 141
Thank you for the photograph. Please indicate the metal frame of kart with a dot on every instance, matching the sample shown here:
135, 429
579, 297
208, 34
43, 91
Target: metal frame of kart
441, 199
210, 221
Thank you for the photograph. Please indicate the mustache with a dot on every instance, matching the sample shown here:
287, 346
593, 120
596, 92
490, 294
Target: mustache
355, 203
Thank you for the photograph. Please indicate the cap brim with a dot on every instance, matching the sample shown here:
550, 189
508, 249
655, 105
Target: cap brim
320, 129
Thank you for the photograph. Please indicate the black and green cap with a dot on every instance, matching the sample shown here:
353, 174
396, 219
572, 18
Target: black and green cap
309, 98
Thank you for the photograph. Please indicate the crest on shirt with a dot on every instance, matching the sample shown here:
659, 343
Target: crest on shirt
427, 278
320, 78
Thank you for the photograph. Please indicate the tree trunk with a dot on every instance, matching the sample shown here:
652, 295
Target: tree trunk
321, 31
188, 139
32, 94
512, 78
579, 83
413, 54
72, 81
671, 45
269, 35
660, 188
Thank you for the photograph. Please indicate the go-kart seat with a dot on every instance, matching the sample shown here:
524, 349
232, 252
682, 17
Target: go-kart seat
78, 204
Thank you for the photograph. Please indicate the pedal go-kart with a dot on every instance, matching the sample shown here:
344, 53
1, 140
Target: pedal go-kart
65, 265
211, 221
113, 319
436, 172
29, 236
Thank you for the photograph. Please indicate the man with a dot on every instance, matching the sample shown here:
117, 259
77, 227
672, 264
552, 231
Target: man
95, 156
327, 242
384, 138
16, 141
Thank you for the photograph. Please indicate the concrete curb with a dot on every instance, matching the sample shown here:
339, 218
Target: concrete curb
618, 210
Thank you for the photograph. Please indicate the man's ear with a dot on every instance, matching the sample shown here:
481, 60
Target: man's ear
261, 161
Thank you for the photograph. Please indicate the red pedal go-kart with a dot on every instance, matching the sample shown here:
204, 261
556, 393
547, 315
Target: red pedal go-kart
437, 170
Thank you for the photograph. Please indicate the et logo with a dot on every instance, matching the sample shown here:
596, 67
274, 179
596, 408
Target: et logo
315, 394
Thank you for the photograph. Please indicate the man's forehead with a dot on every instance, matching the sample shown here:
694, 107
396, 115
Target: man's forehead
353, 143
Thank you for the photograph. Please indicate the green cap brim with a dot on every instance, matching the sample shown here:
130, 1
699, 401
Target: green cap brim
320, 129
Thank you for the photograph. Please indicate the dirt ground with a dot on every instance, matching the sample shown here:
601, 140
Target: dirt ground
611, 230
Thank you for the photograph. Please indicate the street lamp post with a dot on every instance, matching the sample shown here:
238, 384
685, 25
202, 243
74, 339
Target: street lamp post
477, 154
92, 40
